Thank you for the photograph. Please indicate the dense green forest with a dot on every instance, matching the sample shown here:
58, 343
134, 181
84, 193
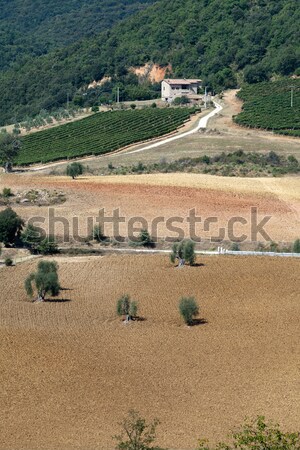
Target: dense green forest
272, 106
222, 42
30, 28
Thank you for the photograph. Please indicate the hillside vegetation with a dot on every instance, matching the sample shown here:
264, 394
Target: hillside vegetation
100, 133
272, 106
32, 28
222, 42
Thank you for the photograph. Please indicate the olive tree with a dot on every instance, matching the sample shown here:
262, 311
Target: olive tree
127, 307
74, 169
184, 251
188, 309
10, 226
9, 150
44, 281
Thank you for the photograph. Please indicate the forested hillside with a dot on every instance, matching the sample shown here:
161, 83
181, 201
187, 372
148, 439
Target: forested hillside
222, 42
30, 28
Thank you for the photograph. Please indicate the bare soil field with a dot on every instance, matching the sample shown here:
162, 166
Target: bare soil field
70, 369
168, 195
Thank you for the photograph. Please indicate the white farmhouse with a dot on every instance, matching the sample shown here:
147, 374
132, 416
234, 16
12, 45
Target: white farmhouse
170, 89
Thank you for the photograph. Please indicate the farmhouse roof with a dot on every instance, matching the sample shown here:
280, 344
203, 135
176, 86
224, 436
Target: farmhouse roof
182, 81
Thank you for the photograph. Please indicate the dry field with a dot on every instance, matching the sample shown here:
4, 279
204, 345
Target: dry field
71, 369
169, 195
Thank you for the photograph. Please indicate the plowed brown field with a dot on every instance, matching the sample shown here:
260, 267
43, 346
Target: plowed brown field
170, 195
70, 369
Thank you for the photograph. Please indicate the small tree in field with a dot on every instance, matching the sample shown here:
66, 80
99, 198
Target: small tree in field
10, 226
126, 307
9, 150
44, 281
184, 251
136, 433
188, 309
296, 246
74, 169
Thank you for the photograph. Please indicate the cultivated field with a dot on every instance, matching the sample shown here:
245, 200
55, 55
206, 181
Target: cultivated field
169, 195
71, 369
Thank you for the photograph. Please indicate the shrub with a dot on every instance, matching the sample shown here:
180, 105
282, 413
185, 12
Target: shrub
8, 262
188, 309
296, 246
95, 108
145, 239
97, 234
6, 193
133, 106
235, 247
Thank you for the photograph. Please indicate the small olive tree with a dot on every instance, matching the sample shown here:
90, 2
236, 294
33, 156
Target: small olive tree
44, 281
188, 309
127, 307
74, 169
184, 251
136, 433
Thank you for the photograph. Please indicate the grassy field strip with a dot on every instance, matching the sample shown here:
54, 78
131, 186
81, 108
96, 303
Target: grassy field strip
202, 124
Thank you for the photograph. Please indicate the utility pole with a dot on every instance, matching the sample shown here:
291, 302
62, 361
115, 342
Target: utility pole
205, 98
292, 96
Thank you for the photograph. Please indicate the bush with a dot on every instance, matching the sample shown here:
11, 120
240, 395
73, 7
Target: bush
145, 239
95, 108
235, 247
296, 246
97, 234
133, 106
6, 193
8, 262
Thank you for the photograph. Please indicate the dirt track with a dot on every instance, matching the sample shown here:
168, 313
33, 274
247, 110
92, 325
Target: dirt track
70, 370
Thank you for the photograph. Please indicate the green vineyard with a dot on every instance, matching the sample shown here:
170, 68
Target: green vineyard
272, 106
101, 133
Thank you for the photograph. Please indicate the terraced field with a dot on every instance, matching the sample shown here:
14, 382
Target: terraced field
100, 133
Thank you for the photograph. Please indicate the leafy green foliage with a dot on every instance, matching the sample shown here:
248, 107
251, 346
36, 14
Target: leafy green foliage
136, 433
188, 309
100, 133
9, 149
44, 281
268, 105
126, 307
97, 234
10, 226
74, 170
237, 163
145, 239
296, 246
8, 262
257, 434
184, 251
